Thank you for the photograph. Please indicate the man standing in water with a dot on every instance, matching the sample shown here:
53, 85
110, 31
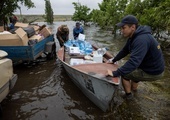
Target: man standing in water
62, 34
146, 61
78, 29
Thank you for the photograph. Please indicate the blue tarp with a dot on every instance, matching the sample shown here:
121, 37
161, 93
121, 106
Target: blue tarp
84, 46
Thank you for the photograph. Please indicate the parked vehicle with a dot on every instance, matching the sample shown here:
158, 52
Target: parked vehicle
90, 77
7, 77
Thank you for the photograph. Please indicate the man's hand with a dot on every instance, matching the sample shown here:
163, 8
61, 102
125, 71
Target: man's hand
109, 73
109, 61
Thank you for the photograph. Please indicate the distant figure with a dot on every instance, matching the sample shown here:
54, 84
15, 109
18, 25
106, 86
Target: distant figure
12, 23
13, 19
78, 29
62, 34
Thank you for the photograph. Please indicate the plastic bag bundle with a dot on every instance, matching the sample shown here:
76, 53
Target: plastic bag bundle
84, 46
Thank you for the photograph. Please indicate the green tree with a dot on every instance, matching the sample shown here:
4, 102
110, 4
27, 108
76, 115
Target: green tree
95, 15
155, 13
110, 13
115, 10
7, 7
81, 12
103, 15
49, 18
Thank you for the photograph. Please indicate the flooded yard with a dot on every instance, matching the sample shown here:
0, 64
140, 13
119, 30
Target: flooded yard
45, 92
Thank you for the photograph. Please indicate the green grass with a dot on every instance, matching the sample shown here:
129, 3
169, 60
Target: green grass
39, 18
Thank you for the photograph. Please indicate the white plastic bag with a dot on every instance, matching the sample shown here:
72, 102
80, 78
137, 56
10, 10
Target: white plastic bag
101, 51
81, 37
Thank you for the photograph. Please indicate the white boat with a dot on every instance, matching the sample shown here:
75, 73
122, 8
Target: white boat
91, 79
7, 77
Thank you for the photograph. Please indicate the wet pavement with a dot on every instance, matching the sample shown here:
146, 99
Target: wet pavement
45, 92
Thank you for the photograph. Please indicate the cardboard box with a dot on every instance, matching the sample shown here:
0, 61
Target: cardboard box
18, 24
98, 58
74, 50
18, 39
36, 28
36, 37
74, 61
10, 40
1, 28
4, 32
45, 32
23, 35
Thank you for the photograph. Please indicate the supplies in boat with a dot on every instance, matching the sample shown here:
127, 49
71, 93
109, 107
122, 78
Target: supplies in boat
84, 46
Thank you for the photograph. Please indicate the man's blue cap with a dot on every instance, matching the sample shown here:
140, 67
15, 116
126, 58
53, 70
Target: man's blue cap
129, 19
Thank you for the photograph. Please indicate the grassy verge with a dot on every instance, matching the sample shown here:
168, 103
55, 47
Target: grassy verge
39, 18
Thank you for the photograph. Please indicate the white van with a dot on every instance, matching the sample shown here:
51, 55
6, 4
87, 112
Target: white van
7, 77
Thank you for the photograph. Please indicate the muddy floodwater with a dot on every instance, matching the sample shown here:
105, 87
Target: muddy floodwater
45, 92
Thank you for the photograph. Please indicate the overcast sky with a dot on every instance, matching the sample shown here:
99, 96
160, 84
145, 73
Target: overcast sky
60, 7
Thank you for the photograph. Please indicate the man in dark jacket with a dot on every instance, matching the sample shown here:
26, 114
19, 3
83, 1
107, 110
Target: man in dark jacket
146, 61
78, 29
62, 34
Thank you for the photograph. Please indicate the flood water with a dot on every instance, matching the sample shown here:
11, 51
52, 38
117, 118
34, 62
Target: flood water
45, 92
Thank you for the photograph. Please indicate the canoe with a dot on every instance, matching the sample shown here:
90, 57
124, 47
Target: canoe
91, 79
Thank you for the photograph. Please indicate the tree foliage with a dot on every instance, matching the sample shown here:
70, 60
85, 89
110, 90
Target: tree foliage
49, 17
155, 13
82, 12
7, 7
110, 13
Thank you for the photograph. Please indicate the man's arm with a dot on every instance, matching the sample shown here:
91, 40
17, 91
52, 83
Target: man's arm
138, 53
59, 37
67, 35
124, 52
120, 55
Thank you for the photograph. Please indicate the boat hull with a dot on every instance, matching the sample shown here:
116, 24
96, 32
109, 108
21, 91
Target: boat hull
99, 91
91, 80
